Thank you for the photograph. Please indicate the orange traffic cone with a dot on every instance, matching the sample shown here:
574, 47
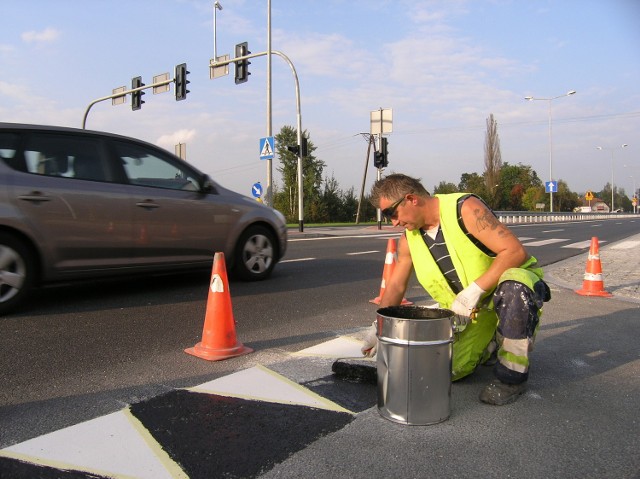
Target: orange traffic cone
593, 284
219, 332
389, 263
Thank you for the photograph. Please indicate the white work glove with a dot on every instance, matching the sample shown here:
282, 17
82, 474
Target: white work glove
370, 342
465, 302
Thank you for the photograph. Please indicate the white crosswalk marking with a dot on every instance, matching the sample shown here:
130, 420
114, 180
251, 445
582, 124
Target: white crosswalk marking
545, 242
578, 245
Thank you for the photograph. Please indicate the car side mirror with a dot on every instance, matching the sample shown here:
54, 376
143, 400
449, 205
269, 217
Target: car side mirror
206, 185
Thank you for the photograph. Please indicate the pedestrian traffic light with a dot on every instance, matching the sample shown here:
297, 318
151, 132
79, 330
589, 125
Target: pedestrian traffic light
181, 81
377, 159
300, 150
136, 96
242, 66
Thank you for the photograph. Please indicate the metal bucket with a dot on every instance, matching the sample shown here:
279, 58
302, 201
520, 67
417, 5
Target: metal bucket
415, 346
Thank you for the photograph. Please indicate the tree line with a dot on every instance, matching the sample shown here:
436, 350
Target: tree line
503, 186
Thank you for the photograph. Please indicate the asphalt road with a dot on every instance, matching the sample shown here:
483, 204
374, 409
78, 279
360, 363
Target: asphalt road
84, 350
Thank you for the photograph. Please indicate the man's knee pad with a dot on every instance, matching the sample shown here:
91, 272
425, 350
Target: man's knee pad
517, 308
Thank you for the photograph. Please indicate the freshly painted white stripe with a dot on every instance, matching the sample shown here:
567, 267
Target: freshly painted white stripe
262, 384
115, 445
553, 231
545, 242
342, 347
363, 252
524, 238
296, 260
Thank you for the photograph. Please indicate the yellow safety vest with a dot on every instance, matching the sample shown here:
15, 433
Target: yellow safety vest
470, 262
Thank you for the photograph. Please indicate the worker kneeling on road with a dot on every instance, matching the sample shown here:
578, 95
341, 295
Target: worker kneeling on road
472, 264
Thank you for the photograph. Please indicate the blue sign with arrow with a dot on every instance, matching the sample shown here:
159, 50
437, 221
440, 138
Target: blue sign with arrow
551, 187
256, 190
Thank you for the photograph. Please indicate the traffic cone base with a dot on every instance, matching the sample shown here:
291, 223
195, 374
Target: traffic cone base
389, 264
219, 333
213, 354
593, 285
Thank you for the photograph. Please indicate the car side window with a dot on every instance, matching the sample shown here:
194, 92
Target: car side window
65, 156
146, 167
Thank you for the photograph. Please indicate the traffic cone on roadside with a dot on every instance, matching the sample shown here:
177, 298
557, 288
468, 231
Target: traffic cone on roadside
593, 284
389, 263
219, 333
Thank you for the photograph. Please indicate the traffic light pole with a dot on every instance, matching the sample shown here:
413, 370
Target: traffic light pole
298, 125
379, 175
121, 94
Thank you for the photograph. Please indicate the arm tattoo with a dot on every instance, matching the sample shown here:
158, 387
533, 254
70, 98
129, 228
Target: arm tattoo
485, 219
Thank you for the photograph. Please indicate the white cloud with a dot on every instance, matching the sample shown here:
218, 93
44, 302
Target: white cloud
170, 140
45, 36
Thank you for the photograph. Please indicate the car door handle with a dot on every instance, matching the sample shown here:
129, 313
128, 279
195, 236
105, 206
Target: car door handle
35, 197
148, 204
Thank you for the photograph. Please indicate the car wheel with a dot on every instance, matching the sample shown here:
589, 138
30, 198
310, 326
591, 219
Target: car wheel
255, 254
16, 272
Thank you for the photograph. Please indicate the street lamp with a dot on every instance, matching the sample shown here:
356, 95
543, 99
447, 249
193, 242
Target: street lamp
624, 145
530, 98
216, 7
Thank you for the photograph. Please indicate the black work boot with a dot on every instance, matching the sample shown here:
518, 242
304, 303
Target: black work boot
499, 393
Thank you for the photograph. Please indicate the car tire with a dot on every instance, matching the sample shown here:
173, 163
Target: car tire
255, 255
17, 272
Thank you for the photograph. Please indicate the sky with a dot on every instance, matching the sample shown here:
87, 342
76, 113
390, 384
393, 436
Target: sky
442, 67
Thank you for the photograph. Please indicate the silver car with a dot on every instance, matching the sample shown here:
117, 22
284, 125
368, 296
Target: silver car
78, 204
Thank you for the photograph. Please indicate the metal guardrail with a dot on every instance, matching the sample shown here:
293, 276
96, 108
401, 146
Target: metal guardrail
511, 217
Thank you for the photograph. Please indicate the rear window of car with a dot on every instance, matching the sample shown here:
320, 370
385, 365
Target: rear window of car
65, 156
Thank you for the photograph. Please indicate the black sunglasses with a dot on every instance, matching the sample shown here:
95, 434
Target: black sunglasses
390, 211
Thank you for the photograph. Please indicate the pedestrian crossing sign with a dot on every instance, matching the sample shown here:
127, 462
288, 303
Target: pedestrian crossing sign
266, 148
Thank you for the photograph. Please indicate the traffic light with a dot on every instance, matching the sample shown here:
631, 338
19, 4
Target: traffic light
181, 82
377, 159
136, 96
299, 150
380, 158
384, 151
242, 66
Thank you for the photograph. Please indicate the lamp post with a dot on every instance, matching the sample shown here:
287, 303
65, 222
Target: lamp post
531, 98
216, 7
624, 145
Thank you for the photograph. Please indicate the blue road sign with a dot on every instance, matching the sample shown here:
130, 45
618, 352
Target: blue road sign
551, 187
266, 148
256, 190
